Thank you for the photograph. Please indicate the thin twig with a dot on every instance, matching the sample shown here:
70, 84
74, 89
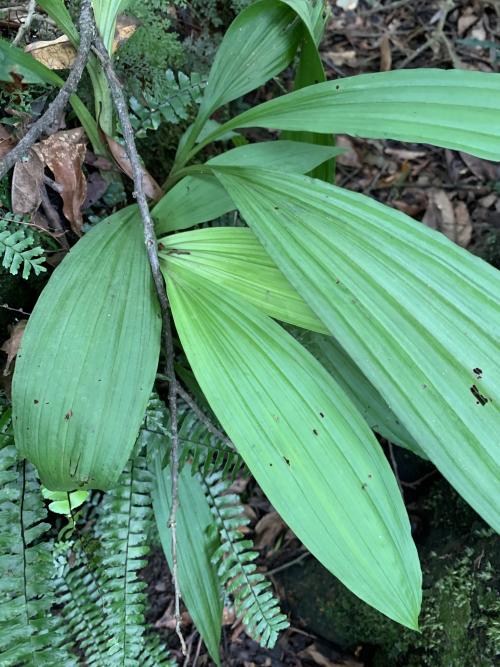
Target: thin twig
14, 310
53, 113
26, 24
395, 467
206, 421
291, 563
120, 104
197, 654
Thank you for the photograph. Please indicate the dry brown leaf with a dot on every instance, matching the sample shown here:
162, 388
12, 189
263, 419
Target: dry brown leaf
350, 157
151, 187
347, 5
7, 142
483, 169
11, 345
27, 181
465, 22
340, 58
64, 153
385, 54
313, 653
268, 529
168, 619
55, 54
463, 225
125, 28
454, 222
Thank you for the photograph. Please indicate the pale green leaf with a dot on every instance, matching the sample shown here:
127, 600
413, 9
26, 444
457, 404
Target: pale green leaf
365, 397
198, 579
258, 44
305, 442
419, 315
200, 198
88, 359
233, 258
455, 109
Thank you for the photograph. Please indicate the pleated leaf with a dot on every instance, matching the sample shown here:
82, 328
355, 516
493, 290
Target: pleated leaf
234, 259
198, 580
455, 109
88, 360
419, 315
200, 198
305, 442
258, 44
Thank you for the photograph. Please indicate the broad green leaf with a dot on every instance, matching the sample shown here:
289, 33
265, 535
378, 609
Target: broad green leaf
419, 315
455, 109
365, 397
310, 71
14, 60
259, 44
233, 258
106, 13
200, 198
59, 13
308, 447
88, 360
198, 580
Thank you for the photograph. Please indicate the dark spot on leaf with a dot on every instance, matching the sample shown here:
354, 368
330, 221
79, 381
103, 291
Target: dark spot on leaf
36, 401
478, 372
68, 415
337, 87
276, 208
364, 486
321, 415
270, 465
161, 246
480, 399
287, 461
424, 386
370, 476
315, 431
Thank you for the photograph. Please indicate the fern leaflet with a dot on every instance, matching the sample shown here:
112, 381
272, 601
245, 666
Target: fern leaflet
203, 450
254, 602
172, 104
18, 250
29, 635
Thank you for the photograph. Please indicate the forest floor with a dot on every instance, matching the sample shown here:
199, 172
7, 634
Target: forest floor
447, 190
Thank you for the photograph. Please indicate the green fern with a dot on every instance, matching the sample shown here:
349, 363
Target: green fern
205, 452
235, 559
29, 634
172, 103
18, 249
100, 592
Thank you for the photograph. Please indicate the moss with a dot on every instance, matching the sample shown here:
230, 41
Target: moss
460, 619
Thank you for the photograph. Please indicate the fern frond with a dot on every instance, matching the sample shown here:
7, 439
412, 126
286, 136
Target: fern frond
29, 634
124, 520
254, 602
205, 452
18, 250
171, 104
80, 598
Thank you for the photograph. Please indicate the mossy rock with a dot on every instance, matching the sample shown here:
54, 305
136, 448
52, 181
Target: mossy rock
460, 619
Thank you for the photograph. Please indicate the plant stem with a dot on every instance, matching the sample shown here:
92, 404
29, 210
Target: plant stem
152, 250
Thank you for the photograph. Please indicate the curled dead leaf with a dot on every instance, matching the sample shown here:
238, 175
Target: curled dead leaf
268, 529
119, 153
55, 54
453, 221
64, 153
125, 28
7, 142
11, 345
27, 181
